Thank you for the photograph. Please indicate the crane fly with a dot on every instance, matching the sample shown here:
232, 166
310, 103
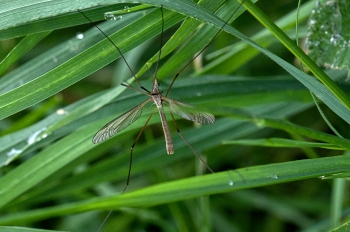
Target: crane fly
184, 110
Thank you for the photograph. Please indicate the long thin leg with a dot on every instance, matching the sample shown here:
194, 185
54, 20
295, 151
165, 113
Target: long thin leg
104, 221
130, 163
194, 151
132, 147
120, 52
137, 90
188, 144
200, 52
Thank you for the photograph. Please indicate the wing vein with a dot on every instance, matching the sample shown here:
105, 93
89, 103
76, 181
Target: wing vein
118, 124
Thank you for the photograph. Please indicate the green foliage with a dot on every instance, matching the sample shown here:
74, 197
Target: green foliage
60, 85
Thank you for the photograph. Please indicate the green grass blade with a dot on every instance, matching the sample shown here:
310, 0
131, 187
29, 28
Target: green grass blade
22, 48
188, 188
278, 142
21, 229
80, 66
252, 91
293, 128
292, 46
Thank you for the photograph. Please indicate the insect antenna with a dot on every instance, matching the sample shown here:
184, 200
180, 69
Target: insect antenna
161, 43
120, 52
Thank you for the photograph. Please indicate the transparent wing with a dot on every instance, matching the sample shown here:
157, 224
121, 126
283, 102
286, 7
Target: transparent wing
118, 123
188, 112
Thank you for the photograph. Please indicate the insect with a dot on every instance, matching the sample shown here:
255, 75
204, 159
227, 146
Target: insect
184, 110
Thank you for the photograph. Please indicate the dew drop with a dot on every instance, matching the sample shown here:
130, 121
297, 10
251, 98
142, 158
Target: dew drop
230, 183
312, 22
34, 137
126, 8
13, 152
274, 176
260, 122
110, 16
79, 35
61, 112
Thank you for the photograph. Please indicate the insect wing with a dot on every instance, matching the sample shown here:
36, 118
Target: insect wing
188, 112
118, 124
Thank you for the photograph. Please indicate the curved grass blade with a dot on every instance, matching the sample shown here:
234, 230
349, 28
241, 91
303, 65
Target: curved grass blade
197, 186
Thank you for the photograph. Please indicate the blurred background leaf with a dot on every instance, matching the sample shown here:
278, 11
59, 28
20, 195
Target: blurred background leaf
327, 41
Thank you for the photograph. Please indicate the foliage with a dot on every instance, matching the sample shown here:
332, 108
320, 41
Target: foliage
276, 162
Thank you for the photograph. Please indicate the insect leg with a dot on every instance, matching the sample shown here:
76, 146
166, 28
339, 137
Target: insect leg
188, 144
132, 147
